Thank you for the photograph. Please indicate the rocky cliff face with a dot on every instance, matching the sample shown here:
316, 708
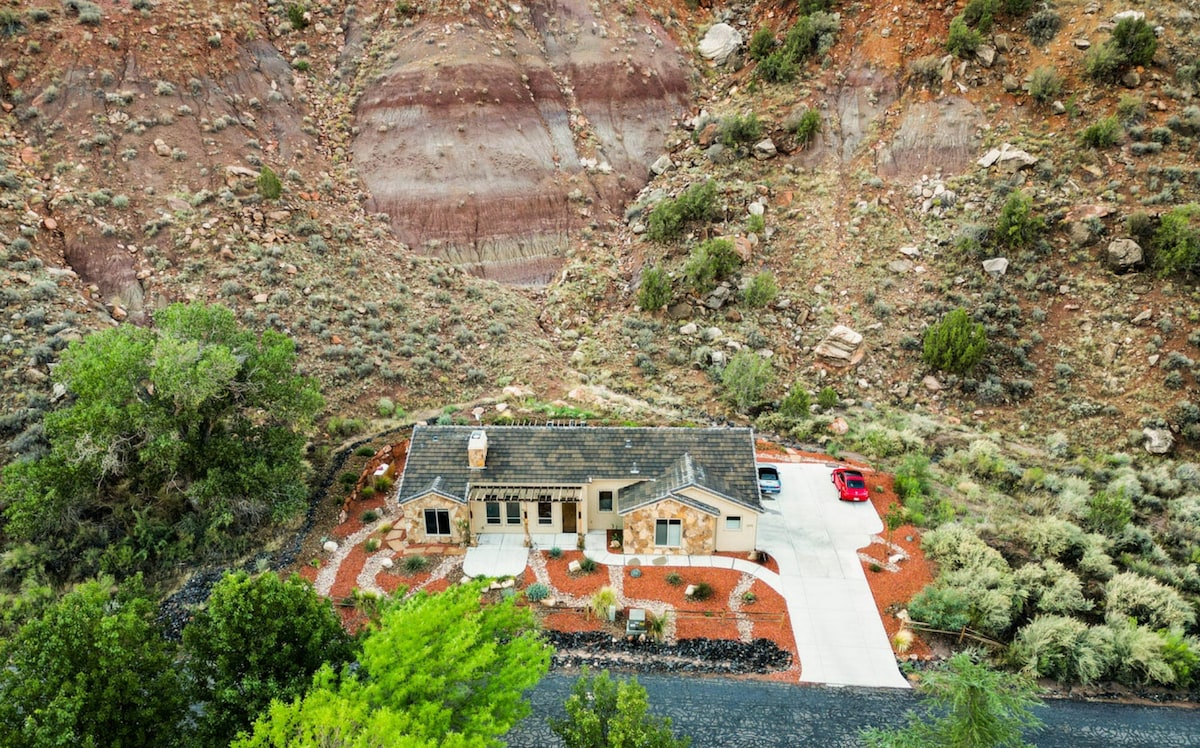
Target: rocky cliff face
490, 142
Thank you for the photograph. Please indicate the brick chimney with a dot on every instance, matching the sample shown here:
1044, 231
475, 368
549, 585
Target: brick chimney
477, 450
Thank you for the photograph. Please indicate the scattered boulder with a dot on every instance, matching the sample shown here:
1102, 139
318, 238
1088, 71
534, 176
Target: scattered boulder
661, 164
839, 426
765, 149
996, 266
986, 55
1142, 316
574, 567
1131, 15
386, 563
899, 266
330, 546
1007, 158
1159, 441
931, 383
690, 328
841, 347
720, 42
1123, 255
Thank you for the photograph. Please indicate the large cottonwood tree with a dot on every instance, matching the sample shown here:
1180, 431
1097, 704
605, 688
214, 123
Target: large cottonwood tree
179, 438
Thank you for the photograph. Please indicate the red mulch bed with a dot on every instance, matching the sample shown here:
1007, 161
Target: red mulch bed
701, 627
354, 521
893, 590
437, 585
652, 585
307, 571
569, 620
347, 576
393, 579
579, 585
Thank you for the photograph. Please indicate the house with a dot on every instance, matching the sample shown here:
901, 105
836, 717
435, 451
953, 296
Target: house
670, 490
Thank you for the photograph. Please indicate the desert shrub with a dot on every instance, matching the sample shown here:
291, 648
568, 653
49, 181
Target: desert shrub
655, 290
806, 126
796, 403
777, 67
1109, 512
761, 290
761, 44
537, 592
1182, 654
1103, 133
701, 591
1045, 84
587, 565
269, 186
980, 14
945, 608
671, 216
414, 564
296, 17
1136, 654
913, 479
600, 602
985, 595
1049, 587
1049, 537
1018, 227
1104, 62
1095, 561
1149, 602
385, 407
1072, 496
962, 40
955, 344
1059, 647
1136, 41
369, 515
740, 129
746, 379
674, 579
709, 263
1176, 242
1043, 25
1131, 110
556, 552
955, 546
926, 72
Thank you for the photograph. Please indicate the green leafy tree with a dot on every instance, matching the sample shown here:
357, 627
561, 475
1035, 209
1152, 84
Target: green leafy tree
670, 217
746, 378
1176, 242
1018, 226
269, 185
257, 639
955, 344
962, 40
709, 263
1136, 41
603, 713
178, 438
441, 670
91, 670
655, 290
968, 705
796, 403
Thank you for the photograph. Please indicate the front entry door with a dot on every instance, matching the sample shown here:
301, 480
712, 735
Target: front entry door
568, 516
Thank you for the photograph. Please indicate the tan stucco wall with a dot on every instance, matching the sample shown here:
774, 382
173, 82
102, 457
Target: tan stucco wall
730, 540
478, 510
697, 536
596, 519
413, 520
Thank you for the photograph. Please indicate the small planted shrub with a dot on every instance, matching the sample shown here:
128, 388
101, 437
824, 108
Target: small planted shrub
702, 591
415, 564
749, 598
371, 545
674, 579
555, 552
604, 598
587, 564
537, 592
269, 186
368, 516
1104, 133
367, 492
655, 290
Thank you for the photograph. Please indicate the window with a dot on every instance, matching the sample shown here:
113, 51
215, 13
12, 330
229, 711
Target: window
545, 513
606, 501
668, 532
733, 523
437, 521
512, 510
493, 512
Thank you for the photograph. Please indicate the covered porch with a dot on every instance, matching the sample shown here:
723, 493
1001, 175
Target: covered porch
527, 510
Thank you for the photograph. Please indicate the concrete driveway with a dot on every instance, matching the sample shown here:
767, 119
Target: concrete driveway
815, 539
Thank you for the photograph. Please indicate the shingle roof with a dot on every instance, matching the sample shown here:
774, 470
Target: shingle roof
683, 473
719, 460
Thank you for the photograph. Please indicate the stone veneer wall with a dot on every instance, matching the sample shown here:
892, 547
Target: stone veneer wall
413, 519
699, 531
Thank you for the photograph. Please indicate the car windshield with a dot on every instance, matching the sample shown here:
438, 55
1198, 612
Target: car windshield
856, 483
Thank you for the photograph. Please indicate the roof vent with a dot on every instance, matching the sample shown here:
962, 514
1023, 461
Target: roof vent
634, 470
477, 450
628, 443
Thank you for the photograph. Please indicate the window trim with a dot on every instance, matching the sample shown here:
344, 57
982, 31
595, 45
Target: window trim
548, 507
667, 524
490, 507
509, 517
729, 522
437, 514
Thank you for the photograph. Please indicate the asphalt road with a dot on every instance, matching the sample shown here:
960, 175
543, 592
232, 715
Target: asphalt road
729, 713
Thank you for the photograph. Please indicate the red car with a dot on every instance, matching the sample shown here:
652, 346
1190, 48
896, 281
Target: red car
850, 484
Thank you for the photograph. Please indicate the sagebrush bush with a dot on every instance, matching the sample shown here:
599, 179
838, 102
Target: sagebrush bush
1148, 601
1103, 133
1050, 587
1060, 647
740, 129
761, 290
745, 380
1048, 537
655, 290
1045, 84
955, 546
670, 217
1109, 512
955, 344
1104, 62
1043, 25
